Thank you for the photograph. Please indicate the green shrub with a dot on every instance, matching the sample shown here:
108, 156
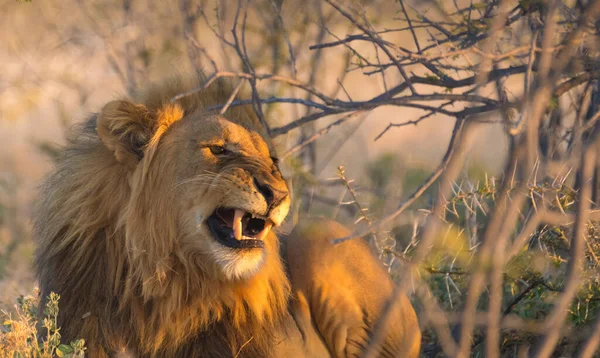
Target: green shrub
33, 332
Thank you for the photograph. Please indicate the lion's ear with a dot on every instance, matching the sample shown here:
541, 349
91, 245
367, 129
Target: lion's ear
125, 128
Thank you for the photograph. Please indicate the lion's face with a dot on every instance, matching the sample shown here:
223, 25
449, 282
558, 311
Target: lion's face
206, 188
230, 189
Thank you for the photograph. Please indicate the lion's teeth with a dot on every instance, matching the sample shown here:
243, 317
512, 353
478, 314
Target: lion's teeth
237, 223
263, 234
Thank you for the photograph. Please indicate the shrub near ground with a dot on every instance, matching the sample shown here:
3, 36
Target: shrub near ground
31, 331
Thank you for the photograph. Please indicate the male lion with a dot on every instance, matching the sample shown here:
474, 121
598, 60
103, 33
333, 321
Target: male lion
155, 229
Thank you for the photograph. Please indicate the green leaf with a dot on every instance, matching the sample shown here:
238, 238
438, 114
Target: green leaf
63, 349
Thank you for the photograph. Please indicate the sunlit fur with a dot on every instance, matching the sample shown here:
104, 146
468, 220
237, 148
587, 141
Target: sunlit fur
120, 232
236, 265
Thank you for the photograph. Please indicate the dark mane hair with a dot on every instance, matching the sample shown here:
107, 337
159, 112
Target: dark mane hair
160, 300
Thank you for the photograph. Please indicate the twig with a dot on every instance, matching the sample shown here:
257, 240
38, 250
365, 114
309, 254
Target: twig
319, 133
376, 39
546, 345
454, 141
231, 98
364, 216
458, 144
277, 11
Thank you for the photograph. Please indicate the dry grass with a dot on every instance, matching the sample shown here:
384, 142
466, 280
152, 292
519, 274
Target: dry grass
31, 331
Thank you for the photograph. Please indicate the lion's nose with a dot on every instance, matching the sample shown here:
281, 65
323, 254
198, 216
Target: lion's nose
272, 195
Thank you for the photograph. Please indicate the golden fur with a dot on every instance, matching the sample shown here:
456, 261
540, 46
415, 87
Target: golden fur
342, 290
121, 235
120, 238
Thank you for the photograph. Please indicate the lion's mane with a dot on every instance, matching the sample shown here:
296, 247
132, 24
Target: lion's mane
115, 261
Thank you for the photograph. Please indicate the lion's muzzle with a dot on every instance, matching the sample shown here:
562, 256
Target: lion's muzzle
273, 196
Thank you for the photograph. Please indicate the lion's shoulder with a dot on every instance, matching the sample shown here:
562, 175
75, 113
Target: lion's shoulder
344, 288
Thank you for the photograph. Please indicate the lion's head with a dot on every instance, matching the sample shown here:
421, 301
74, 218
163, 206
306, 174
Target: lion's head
175, 202
210, 181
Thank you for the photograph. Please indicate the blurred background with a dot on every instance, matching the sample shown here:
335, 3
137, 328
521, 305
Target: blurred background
393, 80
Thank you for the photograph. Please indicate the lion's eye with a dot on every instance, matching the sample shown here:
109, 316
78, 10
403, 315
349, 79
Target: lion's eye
219, 150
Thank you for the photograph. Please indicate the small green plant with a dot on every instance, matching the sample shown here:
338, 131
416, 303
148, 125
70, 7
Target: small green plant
35, 333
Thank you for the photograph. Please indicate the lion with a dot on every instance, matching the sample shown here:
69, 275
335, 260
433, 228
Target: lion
157, 230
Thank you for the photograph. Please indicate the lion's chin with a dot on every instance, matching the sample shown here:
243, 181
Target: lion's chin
236, 264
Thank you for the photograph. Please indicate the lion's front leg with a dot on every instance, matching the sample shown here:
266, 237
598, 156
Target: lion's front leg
344, 288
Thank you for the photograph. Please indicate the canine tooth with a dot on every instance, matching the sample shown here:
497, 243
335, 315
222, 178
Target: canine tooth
263, 234
237, 223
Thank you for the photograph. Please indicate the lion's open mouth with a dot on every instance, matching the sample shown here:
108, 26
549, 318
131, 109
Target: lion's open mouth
239, 229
